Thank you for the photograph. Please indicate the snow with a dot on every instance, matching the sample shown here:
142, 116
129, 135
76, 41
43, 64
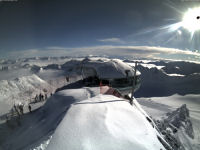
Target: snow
174, 74
149, 66
175, 101
94, 122
165, 89
105, 68
159, 82
85, 119
43, 145
38, 126
20, 90
158, 107
82, 119
14, 73
44, 62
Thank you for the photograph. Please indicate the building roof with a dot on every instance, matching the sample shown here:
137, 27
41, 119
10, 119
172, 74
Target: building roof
103, 67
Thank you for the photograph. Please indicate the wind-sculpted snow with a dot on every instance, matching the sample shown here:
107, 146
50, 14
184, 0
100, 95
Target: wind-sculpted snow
104, 122
82, 119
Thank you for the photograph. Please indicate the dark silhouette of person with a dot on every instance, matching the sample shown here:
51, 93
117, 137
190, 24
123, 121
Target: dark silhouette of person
21, 109
36, 98
29, 107
45, 96
42, 97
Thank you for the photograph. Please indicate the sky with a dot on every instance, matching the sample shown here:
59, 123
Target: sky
27, 26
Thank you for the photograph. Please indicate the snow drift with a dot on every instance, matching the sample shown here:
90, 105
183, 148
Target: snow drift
103, 119
83, 119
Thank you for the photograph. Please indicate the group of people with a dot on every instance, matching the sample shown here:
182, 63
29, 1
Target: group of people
40, 97
16, 112
19, 108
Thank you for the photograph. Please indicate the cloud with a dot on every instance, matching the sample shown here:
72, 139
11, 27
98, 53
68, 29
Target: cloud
112, 40
112, 51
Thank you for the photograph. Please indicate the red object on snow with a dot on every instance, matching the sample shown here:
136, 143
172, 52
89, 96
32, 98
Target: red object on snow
109, 90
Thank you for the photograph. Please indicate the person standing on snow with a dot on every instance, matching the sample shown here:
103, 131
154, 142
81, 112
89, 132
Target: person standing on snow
36, 98
21, 108
29, 107
45, 96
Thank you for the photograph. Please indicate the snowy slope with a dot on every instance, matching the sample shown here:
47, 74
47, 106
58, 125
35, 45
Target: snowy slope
82, 119
104, 122
21, 90
158, 107
159, 78
103, 67
100, 121
37, 127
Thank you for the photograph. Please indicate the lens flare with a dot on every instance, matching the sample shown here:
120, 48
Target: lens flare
191, 20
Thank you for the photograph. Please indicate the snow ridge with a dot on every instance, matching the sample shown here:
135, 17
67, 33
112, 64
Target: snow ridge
176, 122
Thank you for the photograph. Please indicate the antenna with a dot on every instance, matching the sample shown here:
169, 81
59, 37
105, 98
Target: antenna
134, 81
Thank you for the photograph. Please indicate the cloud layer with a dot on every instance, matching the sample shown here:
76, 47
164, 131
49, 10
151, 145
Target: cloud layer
112, 51
112, 40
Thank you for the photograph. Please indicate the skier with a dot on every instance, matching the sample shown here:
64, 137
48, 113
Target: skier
16, 109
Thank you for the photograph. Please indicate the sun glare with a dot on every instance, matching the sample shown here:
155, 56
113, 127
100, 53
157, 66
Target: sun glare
191, 19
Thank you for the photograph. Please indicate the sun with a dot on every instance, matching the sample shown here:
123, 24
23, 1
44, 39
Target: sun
191, 20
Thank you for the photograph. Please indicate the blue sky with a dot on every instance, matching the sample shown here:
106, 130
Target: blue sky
40, 24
